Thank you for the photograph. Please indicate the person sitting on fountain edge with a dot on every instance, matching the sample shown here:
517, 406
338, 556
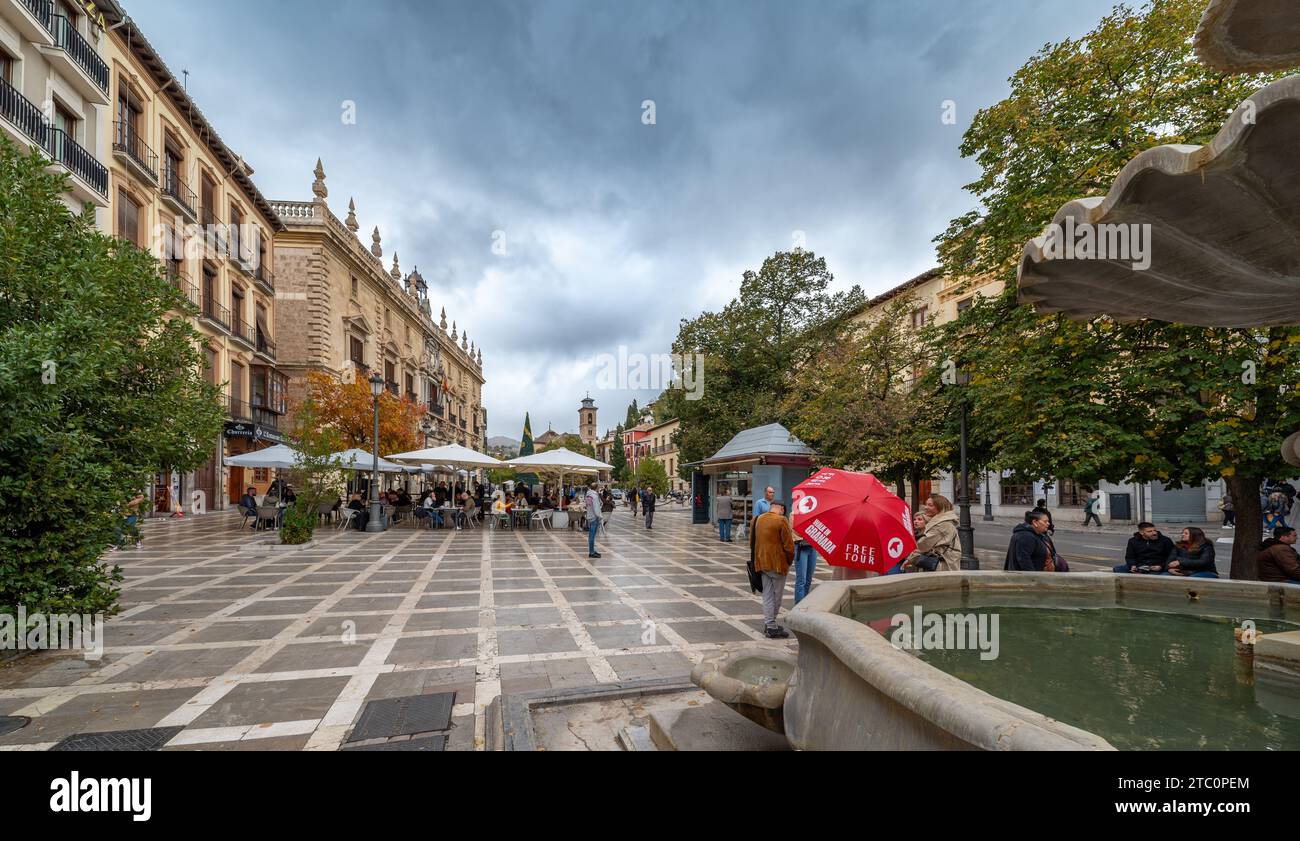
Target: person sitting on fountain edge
1277, 559
1029, 550
1147, 551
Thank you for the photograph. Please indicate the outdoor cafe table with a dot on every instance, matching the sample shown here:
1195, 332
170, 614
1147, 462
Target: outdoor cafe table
523, 517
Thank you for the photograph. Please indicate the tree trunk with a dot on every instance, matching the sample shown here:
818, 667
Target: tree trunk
1250, 519
899, 483
916, 488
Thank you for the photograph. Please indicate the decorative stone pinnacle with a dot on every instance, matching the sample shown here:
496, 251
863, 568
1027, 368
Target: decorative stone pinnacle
395, 273
443, 325
453, 331
352, 217
464, 341
318, 186
374, 239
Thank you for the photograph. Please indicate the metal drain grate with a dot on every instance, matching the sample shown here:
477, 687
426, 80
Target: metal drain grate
389, 717
10, 723
150, 738
424, 743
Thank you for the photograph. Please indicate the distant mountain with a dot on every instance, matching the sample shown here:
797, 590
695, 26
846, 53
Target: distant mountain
502, 442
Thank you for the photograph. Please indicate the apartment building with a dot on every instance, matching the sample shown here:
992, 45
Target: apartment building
664, 450
54, 91
340, 312
175, 188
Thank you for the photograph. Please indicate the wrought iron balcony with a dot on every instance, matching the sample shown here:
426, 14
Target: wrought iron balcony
240, 410
265, 346
128, 146
72, 156
176, 193
243, 331
214, 311
264, 276
23, 113
182, 282
80, 50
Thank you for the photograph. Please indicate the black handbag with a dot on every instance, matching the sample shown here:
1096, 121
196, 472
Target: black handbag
755, 577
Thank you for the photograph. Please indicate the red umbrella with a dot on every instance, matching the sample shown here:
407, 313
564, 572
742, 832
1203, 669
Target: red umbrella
853, 520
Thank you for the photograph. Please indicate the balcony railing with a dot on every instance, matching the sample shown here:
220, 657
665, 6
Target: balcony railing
127, 142
265, 346
182, 282
42, 10
23, 113
175, 189
264, 276
67, 37
243, 331
68, 152
240, 410
393, 388
265, 417
213, 310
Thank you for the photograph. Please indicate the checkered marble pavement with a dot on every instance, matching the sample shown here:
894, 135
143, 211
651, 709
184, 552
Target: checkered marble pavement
282, 650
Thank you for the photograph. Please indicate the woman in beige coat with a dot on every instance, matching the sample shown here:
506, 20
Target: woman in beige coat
940, 539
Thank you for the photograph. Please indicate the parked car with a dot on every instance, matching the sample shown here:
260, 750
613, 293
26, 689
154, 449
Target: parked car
618, 494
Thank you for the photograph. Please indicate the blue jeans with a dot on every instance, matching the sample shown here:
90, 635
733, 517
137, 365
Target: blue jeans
591, 535
896, 569
805, 562
724, 529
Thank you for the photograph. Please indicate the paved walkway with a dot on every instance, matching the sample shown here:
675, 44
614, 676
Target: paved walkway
258, 651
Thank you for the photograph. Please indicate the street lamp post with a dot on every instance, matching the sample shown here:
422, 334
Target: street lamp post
988, 500
965, 531
376, 522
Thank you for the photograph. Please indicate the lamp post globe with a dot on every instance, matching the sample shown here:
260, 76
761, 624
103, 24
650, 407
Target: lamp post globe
376, 521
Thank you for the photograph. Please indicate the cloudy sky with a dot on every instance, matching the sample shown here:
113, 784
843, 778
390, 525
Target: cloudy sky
524, 125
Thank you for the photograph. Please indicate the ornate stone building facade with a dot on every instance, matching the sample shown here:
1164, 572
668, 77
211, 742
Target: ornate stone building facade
339, 311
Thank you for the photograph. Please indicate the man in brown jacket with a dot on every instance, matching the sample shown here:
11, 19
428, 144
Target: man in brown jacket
1277, 559
771, 545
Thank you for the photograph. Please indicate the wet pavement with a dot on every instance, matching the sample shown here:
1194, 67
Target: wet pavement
281, 650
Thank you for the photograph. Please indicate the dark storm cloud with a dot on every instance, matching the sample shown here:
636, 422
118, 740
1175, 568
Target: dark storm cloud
525, 119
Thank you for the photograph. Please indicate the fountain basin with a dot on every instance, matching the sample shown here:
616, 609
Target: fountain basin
751, 678
855, 690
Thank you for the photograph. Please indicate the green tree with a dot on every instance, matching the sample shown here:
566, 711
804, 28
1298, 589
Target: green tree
618, 457
650, 472
852, 402
101, 385
1098, 399
750, 349
633, 415
317, 476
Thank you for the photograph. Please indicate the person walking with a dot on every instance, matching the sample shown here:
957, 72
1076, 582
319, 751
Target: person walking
633, 497
723, 508
1029, 550
771, 547
648, 500
1090, 509
1277, 560
592, 505
1229, 511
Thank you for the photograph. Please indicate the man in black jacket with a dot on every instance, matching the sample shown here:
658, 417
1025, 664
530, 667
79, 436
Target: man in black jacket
1146, 548
1028, 551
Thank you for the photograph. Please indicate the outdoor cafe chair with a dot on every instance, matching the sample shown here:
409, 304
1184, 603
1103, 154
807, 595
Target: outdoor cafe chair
248, 513
345, 517
401, 512
543, 517
268, 512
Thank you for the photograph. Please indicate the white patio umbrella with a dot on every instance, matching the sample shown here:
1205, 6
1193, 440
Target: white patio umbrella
559, 461
280, 455
358, 459
452, 455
